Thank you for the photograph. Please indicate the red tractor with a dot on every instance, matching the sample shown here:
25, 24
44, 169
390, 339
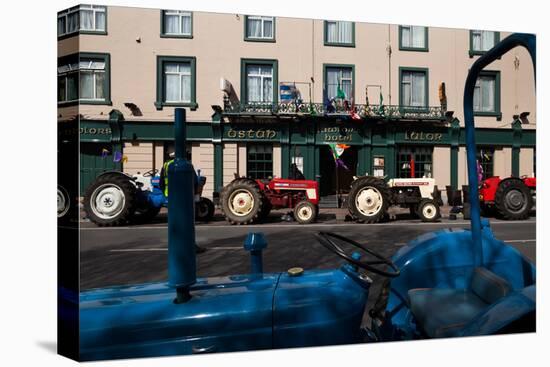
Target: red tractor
509, 198
245, 201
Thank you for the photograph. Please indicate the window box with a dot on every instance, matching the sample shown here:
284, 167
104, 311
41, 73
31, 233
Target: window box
339, 33
176, 82
259, 29
176, 24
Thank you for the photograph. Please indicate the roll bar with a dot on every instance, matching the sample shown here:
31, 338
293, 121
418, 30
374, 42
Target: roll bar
516, 39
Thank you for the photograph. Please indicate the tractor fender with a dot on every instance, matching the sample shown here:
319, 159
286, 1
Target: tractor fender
115, 173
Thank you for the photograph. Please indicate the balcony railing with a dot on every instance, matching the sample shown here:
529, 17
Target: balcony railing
337, 110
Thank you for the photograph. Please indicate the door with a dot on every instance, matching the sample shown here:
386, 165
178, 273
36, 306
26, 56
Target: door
336, 179
95, 158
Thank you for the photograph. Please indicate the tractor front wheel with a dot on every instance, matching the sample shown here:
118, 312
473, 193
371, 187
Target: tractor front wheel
241, 202
513, 199
428, 210
305, 212
204, 210
368, 199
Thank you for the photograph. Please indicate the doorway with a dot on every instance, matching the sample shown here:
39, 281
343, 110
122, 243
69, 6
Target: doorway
336, 180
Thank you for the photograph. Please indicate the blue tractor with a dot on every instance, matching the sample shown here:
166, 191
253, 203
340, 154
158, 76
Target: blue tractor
443, 284
116, 198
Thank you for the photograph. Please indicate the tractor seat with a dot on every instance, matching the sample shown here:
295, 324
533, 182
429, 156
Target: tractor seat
442, 312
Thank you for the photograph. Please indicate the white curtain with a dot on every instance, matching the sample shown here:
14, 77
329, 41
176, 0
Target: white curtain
488, 40
177, 82
73, 22
186, 23
332, 82
86, 19
484, 95
406, 88
406, 36
254, 27
476, 41
171, 23
344, 32
418, 36
86, 84
268, 28
259, 83
418, 89
331, 32
61, 25
477, 101
100, 21
99, 85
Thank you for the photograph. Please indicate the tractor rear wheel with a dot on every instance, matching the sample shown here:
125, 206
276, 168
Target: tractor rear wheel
428, 210
368, 199
110, 200
266, 208
513, 199
305, 212
63, 201
204, 210
241, 201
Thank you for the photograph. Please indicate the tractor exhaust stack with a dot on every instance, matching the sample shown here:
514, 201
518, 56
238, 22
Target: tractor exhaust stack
181, 216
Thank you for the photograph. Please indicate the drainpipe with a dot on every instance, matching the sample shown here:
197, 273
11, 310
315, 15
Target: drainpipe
181, 216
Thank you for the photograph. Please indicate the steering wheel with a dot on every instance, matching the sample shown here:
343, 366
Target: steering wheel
151, 172
330, 241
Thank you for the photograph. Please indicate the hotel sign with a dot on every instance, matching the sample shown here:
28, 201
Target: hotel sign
422, 136
251, 134
338, 134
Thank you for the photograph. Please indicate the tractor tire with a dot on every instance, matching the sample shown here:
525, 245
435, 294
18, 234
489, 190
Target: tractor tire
513, 200
428, 210
413, 211
145, 215
63, 202
369, 199
241, 201
204, 210
110, 200
305, 212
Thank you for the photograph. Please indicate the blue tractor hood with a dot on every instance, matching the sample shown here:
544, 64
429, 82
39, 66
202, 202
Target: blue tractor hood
235, 313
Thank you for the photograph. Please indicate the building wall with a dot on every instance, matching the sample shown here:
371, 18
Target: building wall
202, 157
230, 162
526, 157
301, 53
441, 161
503, 162
139, 157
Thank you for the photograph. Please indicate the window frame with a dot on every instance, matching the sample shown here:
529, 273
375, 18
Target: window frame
473, 52
340, 66
106, 58
401, 150
248, 147
426, 106
412, 48
498, 112
338, 44
260, 39
76, 9
160, 102
170, 35
274, 63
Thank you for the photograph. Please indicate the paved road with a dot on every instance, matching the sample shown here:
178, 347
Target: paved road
124, 255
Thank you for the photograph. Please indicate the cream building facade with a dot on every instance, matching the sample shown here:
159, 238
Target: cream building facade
289, 88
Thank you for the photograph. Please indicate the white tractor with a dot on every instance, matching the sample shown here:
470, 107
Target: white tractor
370, 197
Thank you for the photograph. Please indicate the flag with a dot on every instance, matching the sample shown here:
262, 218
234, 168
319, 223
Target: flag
479, 171
339, 92
104, 153
353, 111
327, 103
337, 150
412, 166
117, 157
